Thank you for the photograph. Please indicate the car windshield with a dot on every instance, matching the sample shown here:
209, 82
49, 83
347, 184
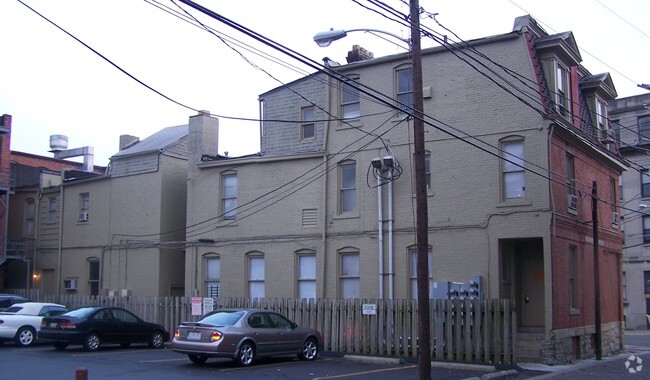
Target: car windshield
79, 313
222, 318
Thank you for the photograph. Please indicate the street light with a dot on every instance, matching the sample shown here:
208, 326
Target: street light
324, 39
422, 223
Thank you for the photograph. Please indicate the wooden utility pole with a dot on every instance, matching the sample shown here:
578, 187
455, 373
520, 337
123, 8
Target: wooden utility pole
594, 218
421, 217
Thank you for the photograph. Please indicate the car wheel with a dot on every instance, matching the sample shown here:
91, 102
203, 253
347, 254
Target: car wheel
60, 345
309, 350
92, 342
25, 336
246, 354
156, 339
197, 359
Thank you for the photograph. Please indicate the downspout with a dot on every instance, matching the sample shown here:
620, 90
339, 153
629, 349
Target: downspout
323, 264
36, 223
380, 234
390, 234
60, 247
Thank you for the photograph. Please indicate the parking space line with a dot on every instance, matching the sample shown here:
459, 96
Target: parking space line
162, 360
364, 373
109, 353
270, 365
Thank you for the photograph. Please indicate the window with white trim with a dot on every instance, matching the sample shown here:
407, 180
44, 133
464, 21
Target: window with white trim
404, 84
414, 273
229, 196
306, 276
256, 277
212, 276
308, 125
347, 187
350, 280
93, 277
52, 211
514, 179
563, 91
350, 103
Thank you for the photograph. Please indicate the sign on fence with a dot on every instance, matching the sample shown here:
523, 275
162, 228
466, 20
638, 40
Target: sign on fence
196, 305
208, 305
369, 309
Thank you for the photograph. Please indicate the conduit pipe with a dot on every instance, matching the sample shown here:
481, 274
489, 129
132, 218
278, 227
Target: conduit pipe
380, 234
390, 234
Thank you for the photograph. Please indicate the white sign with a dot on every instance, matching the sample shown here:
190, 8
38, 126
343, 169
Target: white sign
196, 305
369, 309
208, 305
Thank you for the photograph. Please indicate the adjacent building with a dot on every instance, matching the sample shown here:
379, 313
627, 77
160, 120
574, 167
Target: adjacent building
517, 149
631, 120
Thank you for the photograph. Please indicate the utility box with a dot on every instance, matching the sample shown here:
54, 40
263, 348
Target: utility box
476, 287
440, 290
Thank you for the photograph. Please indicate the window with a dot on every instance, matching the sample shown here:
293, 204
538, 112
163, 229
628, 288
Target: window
350, 275
405, 89
573, 278
414, 274
52, 211
646, 282
563, 91
256, 277
229, 196
571, 181
513, 170
612, 200
348, 187
601, 119
30, 217
212, 276
624, 283
84, 200
307, 126
350, 105
645, 183
644, 129
93, 277
646, 229
307, 276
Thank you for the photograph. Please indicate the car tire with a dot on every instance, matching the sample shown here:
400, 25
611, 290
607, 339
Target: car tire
25, 336
246, 354
309, 350
197, 359
60, 346
92, 342
157, 339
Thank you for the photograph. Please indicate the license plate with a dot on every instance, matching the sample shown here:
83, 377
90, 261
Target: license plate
194, 336
52, 325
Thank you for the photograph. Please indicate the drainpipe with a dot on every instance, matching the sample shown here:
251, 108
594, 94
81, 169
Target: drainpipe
380, 234
60, 247
390, 234
323, 263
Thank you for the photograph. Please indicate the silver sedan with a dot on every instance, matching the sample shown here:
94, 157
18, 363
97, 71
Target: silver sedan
243, 335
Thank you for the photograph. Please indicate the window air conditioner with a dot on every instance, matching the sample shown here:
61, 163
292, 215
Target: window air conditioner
615, 217
573, 201
82, 217
70, 284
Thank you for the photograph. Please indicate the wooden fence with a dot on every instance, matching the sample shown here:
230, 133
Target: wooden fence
461, 330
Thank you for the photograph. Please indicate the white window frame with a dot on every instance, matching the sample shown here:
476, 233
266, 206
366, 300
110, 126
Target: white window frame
229, 196
404, 88
94, 278
350, 275
306, 275
212, 282
513, 176
563, 90
350, 101
52, 211
413, 257
307, 118
256, 276
347, 187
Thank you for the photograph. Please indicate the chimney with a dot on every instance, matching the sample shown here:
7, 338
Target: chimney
203, 131
127, 141
358, 54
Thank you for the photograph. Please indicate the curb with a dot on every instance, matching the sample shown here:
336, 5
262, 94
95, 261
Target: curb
496, 375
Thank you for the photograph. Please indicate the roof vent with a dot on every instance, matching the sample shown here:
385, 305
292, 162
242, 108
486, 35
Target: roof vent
58, 143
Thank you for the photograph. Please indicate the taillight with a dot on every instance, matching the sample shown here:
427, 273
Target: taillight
177, 334
67, 325
43, 323
216, 335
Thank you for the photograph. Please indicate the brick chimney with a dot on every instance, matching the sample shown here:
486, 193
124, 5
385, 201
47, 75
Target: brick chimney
358, 54
203, 137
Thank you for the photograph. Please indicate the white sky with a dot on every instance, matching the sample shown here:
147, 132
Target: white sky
51, 84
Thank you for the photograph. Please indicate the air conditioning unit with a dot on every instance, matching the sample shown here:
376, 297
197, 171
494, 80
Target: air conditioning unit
82, 217
615, 217
573, 201
70, 284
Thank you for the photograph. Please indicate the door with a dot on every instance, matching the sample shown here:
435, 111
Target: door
532, 290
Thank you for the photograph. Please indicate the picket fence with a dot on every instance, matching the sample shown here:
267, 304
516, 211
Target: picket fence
461, 330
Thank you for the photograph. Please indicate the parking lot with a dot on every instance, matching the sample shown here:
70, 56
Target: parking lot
140, 362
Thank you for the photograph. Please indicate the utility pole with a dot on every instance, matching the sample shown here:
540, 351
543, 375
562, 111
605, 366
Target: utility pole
421, 217
594, 218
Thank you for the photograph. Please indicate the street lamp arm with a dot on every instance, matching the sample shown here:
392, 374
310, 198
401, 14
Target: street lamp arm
324, 39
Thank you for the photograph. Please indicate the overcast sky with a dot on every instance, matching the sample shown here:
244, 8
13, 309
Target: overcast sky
52, 84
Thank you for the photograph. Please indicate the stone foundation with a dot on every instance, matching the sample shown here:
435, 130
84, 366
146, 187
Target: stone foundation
568, 345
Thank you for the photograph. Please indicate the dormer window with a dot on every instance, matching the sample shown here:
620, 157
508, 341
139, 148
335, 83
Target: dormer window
563, 91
